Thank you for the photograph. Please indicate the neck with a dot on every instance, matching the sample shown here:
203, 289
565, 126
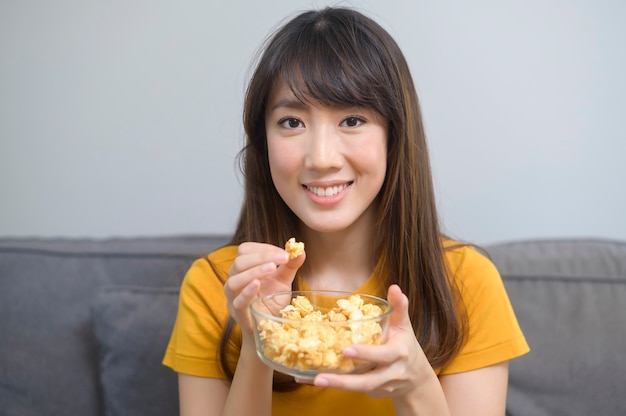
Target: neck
341, 260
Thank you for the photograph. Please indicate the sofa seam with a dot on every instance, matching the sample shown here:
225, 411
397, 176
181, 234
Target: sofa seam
84, 254
567, 279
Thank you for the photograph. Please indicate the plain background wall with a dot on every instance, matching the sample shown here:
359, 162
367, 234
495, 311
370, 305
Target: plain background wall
123, 118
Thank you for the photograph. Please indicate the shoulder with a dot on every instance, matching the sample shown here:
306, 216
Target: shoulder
466, 259
472, 272
217, 260
209, 271
493, 333
222, 258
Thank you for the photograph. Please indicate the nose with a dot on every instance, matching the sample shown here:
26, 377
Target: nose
323, 149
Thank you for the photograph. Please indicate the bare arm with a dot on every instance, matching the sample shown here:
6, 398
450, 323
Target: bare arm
201, 396
478, 392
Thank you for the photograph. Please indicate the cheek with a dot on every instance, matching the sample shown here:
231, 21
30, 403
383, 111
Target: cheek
372, 157
283, 160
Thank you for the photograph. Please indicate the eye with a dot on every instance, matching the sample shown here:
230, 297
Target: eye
352, 121
290, 123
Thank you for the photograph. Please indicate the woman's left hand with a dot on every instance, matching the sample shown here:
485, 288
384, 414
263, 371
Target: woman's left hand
401, 365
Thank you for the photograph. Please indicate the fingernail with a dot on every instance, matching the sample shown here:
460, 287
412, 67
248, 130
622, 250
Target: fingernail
268, 267
281, 257
320, 382
349, 352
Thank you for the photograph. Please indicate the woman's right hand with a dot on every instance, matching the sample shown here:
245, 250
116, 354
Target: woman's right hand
258, 269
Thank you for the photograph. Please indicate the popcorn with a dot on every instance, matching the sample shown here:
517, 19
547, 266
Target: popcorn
302, 304
294, 248
304, 344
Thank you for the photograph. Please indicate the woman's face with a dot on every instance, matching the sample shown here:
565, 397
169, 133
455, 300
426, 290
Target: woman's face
327, 163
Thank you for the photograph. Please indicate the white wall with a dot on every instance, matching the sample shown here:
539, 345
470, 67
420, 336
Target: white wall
122, 118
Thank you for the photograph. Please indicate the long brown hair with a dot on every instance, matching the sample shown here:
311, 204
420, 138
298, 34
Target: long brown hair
338, 56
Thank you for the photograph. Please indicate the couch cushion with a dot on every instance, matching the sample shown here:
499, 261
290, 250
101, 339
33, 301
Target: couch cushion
132, 327
570, 299
48, 360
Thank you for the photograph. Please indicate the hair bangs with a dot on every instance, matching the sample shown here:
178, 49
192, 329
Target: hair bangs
327, 66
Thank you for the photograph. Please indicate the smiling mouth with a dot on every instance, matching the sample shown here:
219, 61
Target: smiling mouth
329, 191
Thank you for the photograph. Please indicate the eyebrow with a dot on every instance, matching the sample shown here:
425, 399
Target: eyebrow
295, 104
289, 103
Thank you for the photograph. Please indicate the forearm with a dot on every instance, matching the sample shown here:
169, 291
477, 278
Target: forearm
251, 390
428, 399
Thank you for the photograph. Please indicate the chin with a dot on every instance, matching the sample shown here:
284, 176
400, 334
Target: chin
327, 226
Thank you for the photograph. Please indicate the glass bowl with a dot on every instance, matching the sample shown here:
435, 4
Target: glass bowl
303, 333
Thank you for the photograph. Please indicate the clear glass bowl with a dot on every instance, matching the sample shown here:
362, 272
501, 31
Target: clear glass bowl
303, 333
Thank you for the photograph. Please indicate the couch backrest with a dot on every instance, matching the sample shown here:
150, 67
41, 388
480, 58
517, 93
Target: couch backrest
49, 361
570, 299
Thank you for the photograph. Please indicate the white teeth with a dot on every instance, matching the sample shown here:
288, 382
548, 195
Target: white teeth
330, 191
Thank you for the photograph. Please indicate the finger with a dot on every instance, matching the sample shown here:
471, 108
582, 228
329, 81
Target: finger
303, 380
287, 272
351, 382
400, 304
237, 282
378, 354
253, 261
245, 297
250, 255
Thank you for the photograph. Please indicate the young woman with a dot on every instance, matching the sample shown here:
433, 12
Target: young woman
336, 156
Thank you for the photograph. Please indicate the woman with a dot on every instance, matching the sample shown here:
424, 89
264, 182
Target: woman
336, 155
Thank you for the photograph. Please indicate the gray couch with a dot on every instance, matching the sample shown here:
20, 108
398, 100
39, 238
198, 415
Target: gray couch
84, 323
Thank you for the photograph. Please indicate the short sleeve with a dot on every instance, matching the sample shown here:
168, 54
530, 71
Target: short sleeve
494, 334
201, 318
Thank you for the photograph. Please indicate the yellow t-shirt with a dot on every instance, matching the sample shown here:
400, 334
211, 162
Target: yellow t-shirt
494, 334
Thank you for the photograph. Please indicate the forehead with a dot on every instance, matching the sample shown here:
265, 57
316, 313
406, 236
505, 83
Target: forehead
282, 95
279, 92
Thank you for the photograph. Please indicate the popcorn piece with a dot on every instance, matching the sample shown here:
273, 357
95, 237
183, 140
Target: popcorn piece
294, 248
365, 332
302, 305
303, 344
371, 311
290, 312
336, 316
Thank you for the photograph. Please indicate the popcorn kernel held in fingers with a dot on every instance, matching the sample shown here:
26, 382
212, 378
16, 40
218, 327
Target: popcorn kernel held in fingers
294, 248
